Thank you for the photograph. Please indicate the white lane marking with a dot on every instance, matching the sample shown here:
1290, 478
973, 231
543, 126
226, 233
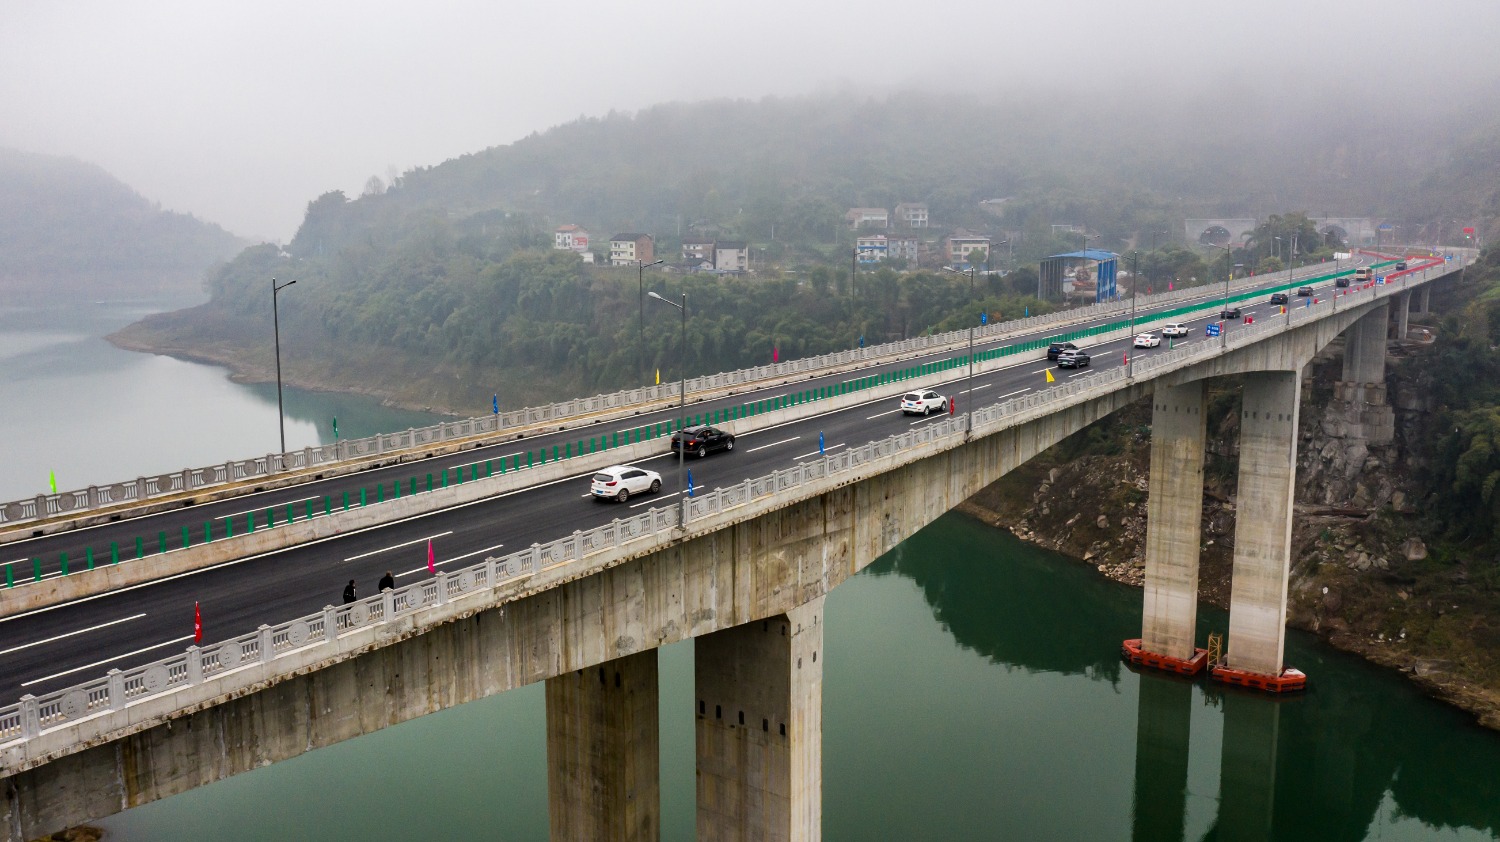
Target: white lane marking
772, 444
867, 418
1079, 374
272, 506
72, 633
926, 418
423, 568
816, 453
397, 546
657, 497
1016, 392
105, 661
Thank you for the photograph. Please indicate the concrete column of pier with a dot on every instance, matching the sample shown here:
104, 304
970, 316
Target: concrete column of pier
1424, 299
1403, 314
1364, 346
1174, 514
760, 729
1263, 521
603, 755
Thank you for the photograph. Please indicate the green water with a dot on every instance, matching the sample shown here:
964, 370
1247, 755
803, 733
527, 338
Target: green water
972, 690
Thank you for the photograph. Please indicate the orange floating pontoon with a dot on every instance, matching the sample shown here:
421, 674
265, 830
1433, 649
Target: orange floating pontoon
1290, 681
1133, 653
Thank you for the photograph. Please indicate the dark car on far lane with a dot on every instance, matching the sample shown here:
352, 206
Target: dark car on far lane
1305, 292
1278, 298
1058, 347
1230, 313
702, 439
1073, 359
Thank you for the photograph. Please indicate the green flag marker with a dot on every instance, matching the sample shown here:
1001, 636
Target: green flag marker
335, 428
52, 476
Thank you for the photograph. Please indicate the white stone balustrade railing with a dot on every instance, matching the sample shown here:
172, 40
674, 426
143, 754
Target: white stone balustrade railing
190, 479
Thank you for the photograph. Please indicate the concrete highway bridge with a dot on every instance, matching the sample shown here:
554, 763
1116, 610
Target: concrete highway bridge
533, 583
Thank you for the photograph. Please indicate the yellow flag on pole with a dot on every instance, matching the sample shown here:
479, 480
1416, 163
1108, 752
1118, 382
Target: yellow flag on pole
1050, 378
658, 377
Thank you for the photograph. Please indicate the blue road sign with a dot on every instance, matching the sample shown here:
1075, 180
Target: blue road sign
984, 318
1211, 330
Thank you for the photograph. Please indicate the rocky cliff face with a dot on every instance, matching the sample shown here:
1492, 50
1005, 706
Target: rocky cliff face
1360, 575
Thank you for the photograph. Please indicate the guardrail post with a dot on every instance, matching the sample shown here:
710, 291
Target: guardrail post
331, 623
442, 588
388, 605
116, 690
30, 725
194, 665
266, 644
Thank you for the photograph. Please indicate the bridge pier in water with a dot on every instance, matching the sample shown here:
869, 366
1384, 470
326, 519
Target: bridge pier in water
603, 751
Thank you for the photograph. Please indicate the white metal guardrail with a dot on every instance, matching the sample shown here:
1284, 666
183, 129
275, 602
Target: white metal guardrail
34, 716
82, 500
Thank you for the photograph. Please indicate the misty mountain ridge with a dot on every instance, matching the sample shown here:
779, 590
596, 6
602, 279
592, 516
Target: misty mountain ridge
744, 166
68, 227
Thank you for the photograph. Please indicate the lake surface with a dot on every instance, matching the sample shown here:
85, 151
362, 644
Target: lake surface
972, 687
74, 405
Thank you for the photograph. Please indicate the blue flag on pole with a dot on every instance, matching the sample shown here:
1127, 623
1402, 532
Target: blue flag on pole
1028, 311
861, 341
495, 404
984, 318
690, 483
820, 441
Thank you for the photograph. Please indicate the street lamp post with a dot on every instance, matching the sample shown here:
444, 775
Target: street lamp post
682, 406
276, 327
1135, 282
1228, 275
640, 277
969, 388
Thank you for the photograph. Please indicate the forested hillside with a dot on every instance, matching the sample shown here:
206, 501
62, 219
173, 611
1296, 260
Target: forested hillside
440, 289
70, 228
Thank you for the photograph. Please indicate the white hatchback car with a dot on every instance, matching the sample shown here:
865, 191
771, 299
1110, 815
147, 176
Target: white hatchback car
1148, 340
923, 402
1174, 329
621, 481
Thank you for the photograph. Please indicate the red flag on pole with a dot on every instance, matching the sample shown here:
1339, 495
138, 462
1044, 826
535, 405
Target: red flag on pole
1126, 357
431, 566
775, 354
197, 624
952, 402
1169, 286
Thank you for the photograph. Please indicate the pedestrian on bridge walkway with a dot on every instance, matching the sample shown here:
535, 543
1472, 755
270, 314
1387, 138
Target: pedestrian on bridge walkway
349, 595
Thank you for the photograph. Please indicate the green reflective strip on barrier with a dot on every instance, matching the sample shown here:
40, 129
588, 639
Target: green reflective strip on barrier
328, 501
445, 477
271, 515
140, 548
307, 507
36, 567
528, 459
114, 553
64, 560
161, 542
488, 471
362, 496
554, 453
380, 492
88, 553
10, 578
346, 503
208, 532
568, 451
186, 541
429, 481
291, 514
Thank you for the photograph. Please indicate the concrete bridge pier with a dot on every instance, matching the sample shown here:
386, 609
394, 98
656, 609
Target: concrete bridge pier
1403, 315
1174, 514
1263, 522
603, 754
1362, 386
1424, 300
759, 700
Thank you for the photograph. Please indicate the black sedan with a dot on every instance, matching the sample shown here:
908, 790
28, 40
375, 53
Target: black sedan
1305, 292
1278, 298
702, 439
1230, 313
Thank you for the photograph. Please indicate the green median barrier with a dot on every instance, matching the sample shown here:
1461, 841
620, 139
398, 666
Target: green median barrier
528, 459
429, 481
445, 478
346, 503
554, 453
380, 492
161, 542
63, 558
229, 527
114, 553
88, 553
271, 513
488, 471
186, 540
328, 501
568, 452
307, 506
291, 513
10, 577
36, 568
362, 497
208, 532
140, 549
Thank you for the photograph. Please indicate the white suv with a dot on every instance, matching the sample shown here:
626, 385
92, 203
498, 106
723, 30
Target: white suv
923, 402
621, 481
1174, 329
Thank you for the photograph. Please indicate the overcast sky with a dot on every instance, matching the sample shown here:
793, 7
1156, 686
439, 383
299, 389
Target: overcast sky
242, 112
